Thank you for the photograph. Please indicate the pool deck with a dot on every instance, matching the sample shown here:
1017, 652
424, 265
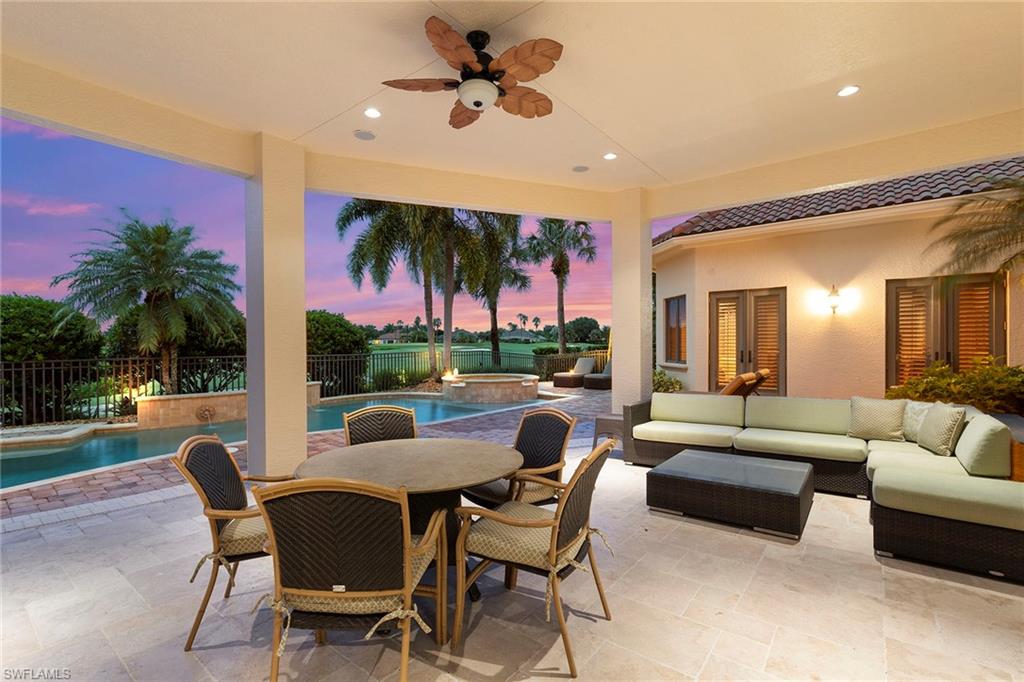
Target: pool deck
154, 479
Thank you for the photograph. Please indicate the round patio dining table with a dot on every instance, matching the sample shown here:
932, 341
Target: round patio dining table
433, 470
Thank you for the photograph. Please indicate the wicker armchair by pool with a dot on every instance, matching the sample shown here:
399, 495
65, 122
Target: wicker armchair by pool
601, 381
542, 439
523, 536
237, 531
344, 558
574, 378
379, 422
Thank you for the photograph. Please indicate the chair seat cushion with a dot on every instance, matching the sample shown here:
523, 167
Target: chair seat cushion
527, 546
987, 501
497, 492
802, 443
362, 605
243, 536
686, 433
922, 460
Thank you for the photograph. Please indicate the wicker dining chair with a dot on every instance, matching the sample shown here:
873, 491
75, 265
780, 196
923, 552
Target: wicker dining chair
542, 439
379, 422
237, 531
344, 558
533, 539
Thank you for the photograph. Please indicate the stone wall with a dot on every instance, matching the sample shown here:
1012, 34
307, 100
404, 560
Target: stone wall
164, 411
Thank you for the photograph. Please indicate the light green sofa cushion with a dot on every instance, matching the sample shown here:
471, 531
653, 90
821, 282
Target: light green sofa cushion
913, 415
897, 446
921, 460
874, 418
726, 410
714, 435
803, 443
988, 501
817, 415
941, 428
984, 447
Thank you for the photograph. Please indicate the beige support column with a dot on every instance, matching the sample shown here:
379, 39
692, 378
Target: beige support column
275, 290
631, 300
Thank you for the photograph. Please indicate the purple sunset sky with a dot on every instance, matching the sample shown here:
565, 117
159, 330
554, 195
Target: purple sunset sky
57, 188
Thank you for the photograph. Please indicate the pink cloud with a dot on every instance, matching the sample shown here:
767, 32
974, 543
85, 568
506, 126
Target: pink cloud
34, 286
33, 205
9, 126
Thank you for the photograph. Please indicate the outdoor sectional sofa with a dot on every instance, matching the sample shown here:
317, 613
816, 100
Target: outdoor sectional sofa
960, 509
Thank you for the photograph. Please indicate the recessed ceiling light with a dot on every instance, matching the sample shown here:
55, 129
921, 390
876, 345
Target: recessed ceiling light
364, 135
611, 156
580, 169
372, 112
848, 90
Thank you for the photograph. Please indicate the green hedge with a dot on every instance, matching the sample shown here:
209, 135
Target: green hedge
988, 386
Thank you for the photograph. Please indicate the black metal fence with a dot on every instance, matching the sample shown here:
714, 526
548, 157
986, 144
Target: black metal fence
105, 388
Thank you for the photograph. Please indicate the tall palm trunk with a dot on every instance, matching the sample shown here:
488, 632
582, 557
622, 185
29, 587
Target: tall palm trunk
561, 315
169, 368
428, 308
449, 297
492, 307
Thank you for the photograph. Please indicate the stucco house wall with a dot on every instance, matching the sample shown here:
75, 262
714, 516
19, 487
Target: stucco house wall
829, 356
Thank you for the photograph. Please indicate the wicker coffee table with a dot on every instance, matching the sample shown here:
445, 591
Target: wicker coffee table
772, 496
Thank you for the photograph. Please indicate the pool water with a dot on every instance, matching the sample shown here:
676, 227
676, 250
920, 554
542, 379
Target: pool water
28, 464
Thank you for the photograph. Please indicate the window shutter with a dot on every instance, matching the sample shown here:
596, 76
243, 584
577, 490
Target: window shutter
727, 316
972, 327
912, 325
671, 330
767, 338
682, 329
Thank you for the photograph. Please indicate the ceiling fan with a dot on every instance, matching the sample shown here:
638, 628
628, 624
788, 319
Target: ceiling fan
486, 80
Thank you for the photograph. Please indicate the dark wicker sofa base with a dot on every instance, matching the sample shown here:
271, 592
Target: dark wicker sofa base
972, 547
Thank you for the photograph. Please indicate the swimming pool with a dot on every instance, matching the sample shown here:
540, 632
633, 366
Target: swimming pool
27, 464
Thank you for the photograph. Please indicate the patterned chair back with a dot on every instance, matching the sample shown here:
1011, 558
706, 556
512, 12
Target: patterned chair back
336, 536
573, 512
543, 437
213, 473
379, 422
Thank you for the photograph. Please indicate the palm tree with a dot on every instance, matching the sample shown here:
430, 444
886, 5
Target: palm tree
412, 233
536, 323
159, 267
987, 230
558, 241
493, 263
523, 319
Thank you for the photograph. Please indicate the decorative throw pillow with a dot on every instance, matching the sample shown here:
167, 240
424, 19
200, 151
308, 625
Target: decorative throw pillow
912, 418
984, 447
876, 419
941, 428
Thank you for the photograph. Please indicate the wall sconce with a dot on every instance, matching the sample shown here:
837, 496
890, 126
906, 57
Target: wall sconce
834, 299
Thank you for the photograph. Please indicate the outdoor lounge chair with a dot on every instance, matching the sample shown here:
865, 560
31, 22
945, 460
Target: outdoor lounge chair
761, 376
237, 531
379, 422
542, 439
523, 536
738, 384
344, 558
574, 378
602, 381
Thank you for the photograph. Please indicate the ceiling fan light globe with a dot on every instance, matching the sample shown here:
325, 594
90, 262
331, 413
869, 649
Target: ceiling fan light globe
478, 94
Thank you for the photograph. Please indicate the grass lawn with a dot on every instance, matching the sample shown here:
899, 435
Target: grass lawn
526, 348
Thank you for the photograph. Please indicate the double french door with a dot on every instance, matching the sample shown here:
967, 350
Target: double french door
747, 333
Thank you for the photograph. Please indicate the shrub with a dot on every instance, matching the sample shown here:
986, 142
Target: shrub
985, 385
122, 339
553, 350
666, 383
30, 332
331, 334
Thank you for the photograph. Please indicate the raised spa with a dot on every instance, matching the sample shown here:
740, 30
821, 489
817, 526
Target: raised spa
490, 388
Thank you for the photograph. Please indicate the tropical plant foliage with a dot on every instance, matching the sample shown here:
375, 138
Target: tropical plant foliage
986, 385
559, 241
31, 333
986, 231
122, 338
666, 383
159, 267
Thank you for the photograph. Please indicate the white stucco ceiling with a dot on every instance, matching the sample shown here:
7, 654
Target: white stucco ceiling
679, 91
